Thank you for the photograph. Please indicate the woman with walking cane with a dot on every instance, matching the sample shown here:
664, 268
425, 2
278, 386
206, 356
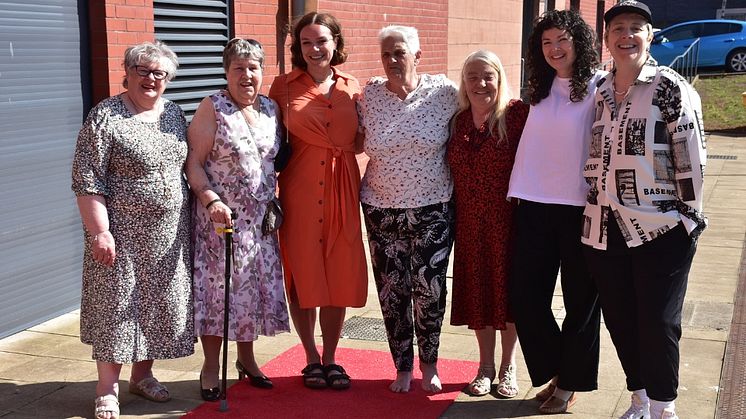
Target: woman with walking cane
233, 140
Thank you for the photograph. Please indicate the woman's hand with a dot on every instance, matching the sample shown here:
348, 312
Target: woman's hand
103, 248
220, 213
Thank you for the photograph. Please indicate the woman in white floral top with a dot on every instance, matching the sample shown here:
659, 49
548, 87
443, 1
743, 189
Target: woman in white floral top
406, 196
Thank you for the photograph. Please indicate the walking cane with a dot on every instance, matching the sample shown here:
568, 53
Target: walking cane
228, 234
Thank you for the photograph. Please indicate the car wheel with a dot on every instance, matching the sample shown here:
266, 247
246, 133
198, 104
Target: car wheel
736, 61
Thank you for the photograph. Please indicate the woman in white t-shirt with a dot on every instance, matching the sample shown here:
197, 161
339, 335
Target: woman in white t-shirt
547, 179
406, 197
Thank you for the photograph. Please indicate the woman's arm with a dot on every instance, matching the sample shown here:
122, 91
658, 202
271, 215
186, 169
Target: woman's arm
96, 221
201, 138
93, 150
681, 109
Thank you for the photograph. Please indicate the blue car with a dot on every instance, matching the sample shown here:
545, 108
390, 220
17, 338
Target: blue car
722, 43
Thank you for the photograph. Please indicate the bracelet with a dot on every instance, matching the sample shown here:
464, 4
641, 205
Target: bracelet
95, 236
213, 202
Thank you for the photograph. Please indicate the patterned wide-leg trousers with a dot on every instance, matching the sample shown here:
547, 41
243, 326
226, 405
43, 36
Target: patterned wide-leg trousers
409, 250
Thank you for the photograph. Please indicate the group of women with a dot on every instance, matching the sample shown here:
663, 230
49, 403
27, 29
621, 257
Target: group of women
446, 163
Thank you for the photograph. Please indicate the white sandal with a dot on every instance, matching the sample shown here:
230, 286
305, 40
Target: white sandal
507, 387
107, 404
151, 389
482, 383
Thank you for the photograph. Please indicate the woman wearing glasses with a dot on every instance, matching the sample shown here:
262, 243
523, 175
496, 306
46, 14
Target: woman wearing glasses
233, 140
136, 301
322, 245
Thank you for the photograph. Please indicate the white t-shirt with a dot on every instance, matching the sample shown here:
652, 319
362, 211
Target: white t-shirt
406, 142
549, 163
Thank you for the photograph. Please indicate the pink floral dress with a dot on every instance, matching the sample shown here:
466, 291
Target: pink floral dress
240, 168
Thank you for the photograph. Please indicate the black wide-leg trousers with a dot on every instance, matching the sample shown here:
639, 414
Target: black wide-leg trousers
547, 241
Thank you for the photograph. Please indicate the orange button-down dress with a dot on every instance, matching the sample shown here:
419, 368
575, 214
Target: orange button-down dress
320, 238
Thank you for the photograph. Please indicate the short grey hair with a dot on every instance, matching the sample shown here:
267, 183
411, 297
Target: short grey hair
149, 53
242, 49
408, 34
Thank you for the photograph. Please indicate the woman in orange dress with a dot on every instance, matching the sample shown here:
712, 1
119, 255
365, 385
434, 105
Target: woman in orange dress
320, 238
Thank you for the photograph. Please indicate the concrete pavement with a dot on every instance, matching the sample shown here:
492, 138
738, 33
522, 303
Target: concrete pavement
46, 372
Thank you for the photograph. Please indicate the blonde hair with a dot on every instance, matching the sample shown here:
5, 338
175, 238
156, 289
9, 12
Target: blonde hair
497, 117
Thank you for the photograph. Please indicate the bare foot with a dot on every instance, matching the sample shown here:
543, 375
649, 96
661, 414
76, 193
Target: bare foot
401, 384
430, 379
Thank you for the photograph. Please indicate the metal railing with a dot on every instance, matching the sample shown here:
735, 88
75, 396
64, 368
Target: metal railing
687, 64
607, 65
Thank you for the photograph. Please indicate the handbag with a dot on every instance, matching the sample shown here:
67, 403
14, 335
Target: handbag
272, 217
283, 155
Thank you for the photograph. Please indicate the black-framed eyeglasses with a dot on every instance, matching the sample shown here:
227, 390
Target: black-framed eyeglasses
143, 71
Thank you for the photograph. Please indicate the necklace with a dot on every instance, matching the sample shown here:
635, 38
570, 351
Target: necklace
329, 77
252, 112
250, 109
618, 93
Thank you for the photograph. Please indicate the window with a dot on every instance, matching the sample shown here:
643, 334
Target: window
713, 28
683, 32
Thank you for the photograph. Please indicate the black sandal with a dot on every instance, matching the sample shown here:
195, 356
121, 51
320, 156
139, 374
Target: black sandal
314, 380
340, 381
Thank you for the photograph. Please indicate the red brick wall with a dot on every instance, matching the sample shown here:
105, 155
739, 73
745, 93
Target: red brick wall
114, 26
493, 25
361, 21
588, 11
258, 19
117, 24
263, 21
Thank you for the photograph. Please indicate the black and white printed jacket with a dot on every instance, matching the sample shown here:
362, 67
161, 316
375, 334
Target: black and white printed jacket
647, 158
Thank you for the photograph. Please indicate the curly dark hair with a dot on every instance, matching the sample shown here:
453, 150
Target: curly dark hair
541, 74
323, 19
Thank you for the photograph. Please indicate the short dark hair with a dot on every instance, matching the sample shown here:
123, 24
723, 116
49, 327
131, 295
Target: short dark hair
323, 19
541, 74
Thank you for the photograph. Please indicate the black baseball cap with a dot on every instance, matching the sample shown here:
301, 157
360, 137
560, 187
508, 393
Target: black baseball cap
628, 6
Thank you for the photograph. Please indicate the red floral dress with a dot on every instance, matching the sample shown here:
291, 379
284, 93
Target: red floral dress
480, 166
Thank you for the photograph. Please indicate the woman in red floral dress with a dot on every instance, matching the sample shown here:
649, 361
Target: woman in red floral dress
485, 136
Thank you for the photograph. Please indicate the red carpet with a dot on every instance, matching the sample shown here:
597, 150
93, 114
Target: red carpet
369, 396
